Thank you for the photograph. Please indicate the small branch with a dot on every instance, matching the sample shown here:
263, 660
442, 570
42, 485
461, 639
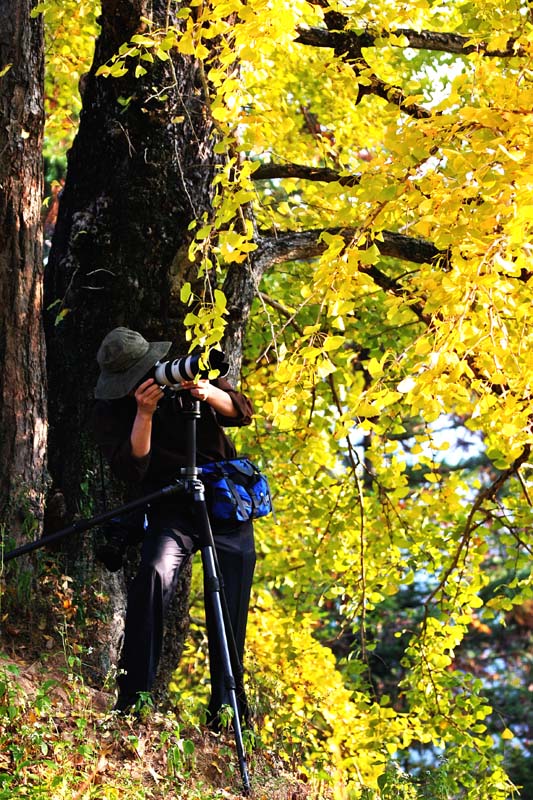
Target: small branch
524, 488
486, 494
354, 462
283, 310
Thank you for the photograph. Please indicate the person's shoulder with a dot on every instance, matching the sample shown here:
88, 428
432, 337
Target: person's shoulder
106, 411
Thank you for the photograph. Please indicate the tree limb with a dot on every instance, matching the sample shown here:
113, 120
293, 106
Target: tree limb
301, 245
351, 42
282, 246
291, 170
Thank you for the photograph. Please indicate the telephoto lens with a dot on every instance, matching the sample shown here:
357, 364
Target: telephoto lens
187, 368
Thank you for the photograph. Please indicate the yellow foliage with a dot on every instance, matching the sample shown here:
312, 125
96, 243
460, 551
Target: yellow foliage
311, 715
70, 31
368, 351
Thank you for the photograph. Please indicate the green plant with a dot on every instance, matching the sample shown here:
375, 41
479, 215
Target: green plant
395, 783
179, 753
225, 716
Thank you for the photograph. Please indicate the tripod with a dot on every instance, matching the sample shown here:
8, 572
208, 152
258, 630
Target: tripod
191, 484
232, 667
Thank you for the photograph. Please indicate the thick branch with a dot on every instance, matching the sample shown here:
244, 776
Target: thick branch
243, 280
290, 170
304, 245
351, 42
301, 245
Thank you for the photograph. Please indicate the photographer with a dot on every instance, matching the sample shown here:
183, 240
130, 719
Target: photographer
141, 430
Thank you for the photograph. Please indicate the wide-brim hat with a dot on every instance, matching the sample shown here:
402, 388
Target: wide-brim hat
124, 358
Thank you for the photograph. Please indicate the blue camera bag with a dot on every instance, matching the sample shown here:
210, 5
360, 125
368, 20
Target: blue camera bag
236, 490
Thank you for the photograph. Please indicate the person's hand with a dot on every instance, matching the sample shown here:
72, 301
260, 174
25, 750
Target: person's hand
148, 395
201, 390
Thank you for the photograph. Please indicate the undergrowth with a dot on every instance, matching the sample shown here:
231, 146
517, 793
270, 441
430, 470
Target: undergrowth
57, 741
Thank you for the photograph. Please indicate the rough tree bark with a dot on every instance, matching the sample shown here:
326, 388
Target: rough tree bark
139, 171
23, 386
137, 175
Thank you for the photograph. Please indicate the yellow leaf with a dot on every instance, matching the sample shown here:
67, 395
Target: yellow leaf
422, 347
333, 343
221, 113
186, 44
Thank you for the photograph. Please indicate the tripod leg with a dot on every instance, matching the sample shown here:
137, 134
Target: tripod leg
222, 628
213, 582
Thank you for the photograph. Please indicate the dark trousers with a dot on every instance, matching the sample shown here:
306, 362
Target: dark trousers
165, 551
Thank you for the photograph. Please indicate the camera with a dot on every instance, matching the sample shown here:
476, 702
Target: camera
114, 538
187, 368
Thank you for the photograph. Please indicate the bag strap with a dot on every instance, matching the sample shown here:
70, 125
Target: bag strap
234, 493
244, 466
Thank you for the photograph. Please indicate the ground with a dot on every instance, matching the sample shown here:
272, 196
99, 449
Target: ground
59, 739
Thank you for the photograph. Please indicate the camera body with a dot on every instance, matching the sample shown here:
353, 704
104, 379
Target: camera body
114, 538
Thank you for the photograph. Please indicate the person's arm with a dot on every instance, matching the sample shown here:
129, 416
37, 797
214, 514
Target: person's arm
217, 398
111, 424
147, 396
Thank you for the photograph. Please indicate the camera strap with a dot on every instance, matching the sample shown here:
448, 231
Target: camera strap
102, 480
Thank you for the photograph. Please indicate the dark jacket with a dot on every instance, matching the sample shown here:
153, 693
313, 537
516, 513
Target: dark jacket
112, 421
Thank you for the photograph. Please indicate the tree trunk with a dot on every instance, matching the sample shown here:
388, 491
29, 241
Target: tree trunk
23, 387
139, 171
137, 175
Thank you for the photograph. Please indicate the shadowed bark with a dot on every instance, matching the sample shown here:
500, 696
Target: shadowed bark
140, 169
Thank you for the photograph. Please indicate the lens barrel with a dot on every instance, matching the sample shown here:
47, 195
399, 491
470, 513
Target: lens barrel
187, 368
